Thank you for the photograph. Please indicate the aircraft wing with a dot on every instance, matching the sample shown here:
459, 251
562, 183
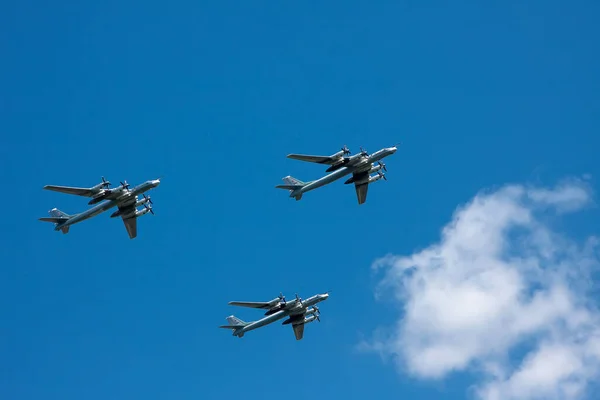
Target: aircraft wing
361, 188
315, 159
131, 226
70, 190
299, 330
130, 222
251, 304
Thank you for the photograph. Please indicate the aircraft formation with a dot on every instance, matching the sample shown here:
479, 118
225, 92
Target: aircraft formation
297, 311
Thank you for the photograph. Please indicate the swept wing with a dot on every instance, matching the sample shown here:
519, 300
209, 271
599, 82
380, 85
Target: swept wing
299, 330
297, 322
328, 160
361, 188
252, 304
86, 192
131, 226
129, 219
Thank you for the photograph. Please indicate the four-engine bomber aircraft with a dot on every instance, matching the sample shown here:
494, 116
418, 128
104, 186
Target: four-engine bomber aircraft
360, 165
122, 197
298, 312
296, 309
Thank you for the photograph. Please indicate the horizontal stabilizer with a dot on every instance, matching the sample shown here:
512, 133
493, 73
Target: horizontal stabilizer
58, 217
288, 187
56, 220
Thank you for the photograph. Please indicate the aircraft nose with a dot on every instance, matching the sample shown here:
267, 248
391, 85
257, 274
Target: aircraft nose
393, 149
325, 296
156, 182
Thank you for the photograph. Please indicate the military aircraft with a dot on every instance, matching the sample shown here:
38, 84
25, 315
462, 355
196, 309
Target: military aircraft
300, 312
360, 165
121, 196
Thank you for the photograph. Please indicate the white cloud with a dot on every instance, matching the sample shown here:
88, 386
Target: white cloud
499, 281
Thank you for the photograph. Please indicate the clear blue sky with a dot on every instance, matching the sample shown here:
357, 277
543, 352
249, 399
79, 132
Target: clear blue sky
211, 96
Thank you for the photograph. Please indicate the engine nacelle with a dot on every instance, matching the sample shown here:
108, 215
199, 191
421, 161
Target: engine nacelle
336, 166
130, 214
115, 214
142, 201
355, 159
97, 198
311, 311
310, 319
339, 154
275, 309
375, 178
142, 212
375, 168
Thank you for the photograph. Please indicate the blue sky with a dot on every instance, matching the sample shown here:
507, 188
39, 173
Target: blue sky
211, 96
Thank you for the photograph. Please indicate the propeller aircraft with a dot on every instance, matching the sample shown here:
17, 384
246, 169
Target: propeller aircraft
122, 197
298, 311
360, 165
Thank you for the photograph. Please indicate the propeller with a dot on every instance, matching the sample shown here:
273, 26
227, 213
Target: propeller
149, 209
281, 297
364, 152
317, 314
125, 185
298, 298
382, 166
382, 175
105, 183
148, 200
346, 150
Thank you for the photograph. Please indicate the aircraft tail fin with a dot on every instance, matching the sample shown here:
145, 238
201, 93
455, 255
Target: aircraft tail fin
234, 323
55, 212
292, 183
58, 217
